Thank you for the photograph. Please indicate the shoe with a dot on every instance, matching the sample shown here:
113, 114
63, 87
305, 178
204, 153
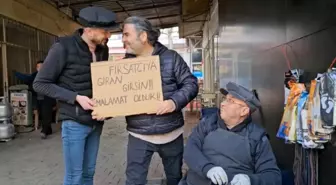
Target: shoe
43, 136
49, 132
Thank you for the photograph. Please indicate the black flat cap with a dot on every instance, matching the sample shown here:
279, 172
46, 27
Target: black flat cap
97, 17
243, 94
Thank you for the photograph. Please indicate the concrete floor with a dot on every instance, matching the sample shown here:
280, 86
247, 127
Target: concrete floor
28, 160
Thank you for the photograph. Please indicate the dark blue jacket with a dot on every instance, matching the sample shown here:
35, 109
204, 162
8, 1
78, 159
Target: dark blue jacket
178, 84
28, 79
266, 170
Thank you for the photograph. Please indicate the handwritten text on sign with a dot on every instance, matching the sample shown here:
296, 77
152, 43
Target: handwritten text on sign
126, 87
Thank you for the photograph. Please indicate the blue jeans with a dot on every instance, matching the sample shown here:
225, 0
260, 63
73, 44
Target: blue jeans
80, 149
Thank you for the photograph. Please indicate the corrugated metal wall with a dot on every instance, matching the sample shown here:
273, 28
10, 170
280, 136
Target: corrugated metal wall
23, 46
209, 45
2, 73
255, 32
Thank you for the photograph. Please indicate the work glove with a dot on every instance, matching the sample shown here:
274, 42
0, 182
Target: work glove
241, 179
217, 175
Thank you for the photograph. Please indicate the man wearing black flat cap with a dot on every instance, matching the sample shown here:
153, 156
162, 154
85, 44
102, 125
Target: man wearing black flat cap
65, 76
228, 148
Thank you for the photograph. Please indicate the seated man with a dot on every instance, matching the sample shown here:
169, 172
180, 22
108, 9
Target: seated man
228, 148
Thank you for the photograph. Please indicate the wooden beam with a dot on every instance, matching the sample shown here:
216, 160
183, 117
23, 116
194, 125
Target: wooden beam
39, 14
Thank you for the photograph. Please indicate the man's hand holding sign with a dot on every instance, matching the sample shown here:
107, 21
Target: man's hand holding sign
165, 107
128, 87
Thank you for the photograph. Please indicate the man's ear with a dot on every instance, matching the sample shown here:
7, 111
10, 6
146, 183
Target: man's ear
88, 31
245, 111
143, 37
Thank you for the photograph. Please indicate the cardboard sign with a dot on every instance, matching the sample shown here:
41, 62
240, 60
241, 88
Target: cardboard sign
126, 87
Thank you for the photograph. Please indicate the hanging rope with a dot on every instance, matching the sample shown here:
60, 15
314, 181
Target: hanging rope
332, 63
284, 52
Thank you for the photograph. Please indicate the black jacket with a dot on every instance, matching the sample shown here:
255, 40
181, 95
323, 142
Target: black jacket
178, 84
66, 73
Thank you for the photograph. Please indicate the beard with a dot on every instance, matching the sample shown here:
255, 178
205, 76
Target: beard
130, 51
101, 42
128, 48
135, 49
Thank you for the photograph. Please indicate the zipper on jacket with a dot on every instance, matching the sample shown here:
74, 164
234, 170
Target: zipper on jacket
76, 110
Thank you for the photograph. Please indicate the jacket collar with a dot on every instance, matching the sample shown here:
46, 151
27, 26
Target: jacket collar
159, 48
237, 128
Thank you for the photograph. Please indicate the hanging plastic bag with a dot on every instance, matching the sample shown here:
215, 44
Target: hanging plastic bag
289, 113
307, 121
328, 99
291, 77
313, 116
316, 113
299, 121
327, 93
307, 141
293, 123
